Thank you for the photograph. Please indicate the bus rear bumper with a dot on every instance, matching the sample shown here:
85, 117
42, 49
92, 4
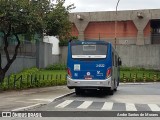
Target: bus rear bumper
82, 83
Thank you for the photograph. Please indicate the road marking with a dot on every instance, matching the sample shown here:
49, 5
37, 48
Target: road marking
26, 102
107, 106
64, 104
46, 100
85, 104
137, 83
154, 107
130, 107
28, 107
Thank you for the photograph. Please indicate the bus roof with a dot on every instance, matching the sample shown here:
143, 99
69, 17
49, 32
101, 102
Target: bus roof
90, 41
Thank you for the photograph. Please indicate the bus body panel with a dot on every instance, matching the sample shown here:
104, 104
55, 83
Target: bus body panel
89, 84
94, 69
91, 74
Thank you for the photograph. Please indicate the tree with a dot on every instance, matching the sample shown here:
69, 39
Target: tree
57, 21
30, 17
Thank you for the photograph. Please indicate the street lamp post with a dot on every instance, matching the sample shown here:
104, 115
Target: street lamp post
116, 24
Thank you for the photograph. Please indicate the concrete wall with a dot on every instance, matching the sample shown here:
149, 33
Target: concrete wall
140, 22
45, 56
63, 54
147, 56
21, 62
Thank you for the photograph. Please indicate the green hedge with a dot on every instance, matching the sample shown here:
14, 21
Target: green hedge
56, 75
58, 66
31, 78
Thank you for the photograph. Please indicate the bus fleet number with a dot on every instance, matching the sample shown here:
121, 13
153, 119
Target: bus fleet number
100, 65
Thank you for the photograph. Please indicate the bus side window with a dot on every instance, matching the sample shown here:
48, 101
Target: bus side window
112, 59
116, 62
119, 61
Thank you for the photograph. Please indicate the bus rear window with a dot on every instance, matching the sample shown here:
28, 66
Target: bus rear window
89, 47
89, 51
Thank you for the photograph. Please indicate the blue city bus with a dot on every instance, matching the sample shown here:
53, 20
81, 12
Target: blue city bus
92, 65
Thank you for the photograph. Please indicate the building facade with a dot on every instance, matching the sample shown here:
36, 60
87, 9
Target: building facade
133, 27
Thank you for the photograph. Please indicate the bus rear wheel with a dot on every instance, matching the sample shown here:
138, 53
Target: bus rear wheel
115, 89
111, 92
79, 91
108, 91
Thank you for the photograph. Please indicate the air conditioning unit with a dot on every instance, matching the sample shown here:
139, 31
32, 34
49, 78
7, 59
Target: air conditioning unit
140, 15
79, 17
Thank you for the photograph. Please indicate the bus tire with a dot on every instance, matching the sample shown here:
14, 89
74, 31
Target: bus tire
115, 89
115, 85
78, 91
118, 81
108, 91
104, 91
111, 92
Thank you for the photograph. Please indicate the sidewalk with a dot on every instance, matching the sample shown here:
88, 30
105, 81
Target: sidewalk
24, 99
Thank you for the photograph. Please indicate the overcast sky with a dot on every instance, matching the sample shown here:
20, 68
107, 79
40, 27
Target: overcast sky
110, 5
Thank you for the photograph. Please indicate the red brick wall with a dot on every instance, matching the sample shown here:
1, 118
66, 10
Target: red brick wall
74, 31
107, 29
147, 30
126, 29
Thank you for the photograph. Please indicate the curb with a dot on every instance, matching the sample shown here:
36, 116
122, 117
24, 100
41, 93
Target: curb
28, 107
136, 83
62, 96
41, 104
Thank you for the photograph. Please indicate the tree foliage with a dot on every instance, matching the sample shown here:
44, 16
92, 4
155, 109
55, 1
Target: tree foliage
23, 15
30, 17
57, 21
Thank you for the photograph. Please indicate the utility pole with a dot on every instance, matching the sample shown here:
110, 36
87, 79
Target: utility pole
116, 24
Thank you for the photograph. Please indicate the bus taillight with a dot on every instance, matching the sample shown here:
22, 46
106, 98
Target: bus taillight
69, 72
108, 73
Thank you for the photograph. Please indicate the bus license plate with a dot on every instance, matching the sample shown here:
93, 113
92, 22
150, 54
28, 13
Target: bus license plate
88, 78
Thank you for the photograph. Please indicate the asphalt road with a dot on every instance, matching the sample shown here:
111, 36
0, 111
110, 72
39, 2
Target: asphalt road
128, 97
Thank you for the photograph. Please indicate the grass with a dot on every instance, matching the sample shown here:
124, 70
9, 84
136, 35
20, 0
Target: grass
33, 77
51, 74
139, 74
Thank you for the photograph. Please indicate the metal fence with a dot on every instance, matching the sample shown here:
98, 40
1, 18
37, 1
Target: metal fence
31, 81
140, 77
43, 80
155, 37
